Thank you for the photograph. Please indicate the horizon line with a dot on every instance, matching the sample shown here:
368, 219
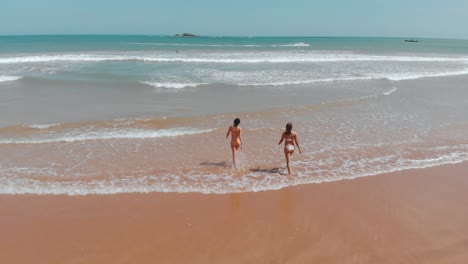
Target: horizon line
228, 36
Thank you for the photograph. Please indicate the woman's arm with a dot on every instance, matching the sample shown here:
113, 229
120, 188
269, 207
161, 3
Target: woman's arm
297, 143
240, 137
282, 138
229, 132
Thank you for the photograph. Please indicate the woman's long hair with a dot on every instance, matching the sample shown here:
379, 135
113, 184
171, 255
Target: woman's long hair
236, 122
289, 128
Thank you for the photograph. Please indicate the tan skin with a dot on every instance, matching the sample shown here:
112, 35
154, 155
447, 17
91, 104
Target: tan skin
236, 141
289, 140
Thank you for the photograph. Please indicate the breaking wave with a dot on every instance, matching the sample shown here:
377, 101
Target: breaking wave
9, 78
104, 134
246, 58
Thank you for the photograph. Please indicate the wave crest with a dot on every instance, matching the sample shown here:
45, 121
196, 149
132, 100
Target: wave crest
105, 134
241, 58
9, 78
169, 85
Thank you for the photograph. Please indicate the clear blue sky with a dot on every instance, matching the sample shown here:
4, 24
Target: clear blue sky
406, 18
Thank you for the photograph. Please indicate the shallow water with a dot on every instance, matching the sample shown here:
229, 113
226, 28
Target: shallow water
120, 114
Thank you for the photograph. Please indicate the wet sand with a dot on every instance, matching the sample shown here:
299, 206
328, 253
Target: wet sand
414, 216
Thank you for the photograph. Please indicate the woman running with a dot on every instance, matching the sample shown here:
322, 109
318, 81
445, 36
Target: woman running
236, 139
289, 138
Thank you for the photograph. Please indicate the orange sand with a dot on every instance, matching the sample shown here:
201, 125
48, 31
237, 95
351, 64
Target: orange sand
416, 216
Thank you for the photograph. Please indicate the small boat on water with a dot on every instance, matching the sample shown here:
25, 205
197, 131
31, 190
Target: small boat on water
411, 40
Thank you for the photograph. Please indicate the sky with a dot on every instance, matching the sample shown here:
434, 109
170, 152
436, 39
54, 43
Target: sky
365, 18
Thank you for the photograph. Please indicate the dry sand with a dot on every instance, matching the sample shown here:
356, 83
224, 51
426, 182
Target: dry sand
415, 216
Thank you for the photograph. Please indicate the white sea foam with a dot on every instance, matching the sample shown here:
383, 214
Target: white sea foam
43, 126
306, 81
247, 79
410, 76
203, 183
241, 58
394, 89
104, 134
279, 83
172, 85
9, 78
299, 44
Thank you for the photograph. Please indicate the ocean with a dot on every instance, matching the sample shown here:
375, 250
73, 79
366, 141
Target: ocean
118, 114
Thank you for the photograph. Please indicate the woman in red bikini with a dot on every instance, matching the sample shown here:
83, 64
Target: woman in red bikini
236, 139
289, 138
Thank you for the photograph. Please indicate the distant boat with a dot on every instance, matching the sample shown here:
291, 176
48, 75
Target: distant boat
411, 40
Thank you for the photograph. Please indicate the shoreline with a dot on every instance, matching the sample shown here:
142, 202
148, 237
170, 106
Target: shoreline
411, 216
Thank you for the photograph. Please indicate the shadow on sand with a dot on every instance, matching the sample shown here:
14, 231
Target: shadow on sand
224, 164
218, 164
273, 170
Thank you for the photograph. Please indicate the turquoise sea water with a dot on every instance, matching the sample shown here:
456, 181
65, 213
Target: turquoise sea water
44, 44
181, 62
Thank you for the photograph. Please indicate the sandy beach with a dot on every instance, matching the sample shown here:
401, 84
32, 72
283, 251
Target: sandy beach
414, 216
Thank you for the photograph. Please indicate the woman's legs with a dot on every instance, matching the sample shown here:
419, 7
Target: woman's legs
287, 154
234, 154
235, 148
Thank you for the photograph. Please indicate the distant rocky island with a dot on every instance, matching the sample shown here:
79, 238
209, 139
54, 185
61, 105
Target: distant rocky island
186, 35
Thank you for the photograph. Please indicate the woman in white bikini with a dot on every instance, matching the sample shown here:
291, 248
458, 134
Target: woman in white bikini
236, 139
289, 138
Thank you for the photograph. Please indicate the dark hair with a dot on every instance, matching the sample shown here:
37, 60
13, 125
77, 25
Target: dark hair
289, 128
236, 122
